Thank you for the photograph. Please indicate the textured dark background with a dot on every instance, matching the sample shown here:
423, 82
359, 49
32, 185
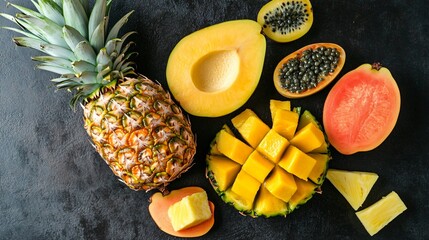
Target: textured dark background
54, 185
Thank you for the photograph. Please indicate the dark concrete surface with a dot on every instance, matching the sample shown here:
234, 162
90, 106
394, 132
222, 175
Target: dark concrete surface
53, 185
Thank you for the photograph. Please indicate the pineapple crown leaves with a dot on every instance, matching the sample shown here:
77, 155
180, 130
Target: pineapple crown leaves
90, 58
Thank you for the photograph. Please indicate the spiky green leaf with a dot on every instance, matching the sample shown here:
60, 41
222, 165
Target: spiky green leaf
97, 37
75, 16
50, 31
72, 37
51, 10
45, 47
118, 25
97, 16
82, 66
25, 33
27, 11
61, 62
85, 52
54, 69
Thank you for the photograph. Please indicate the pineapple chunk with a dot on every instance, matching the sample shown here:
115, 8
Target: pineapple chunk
273, 145
305, 190
281, 184
257, 166
320, 167
246, 187
253, 130
308, 138
268, 205
224, 169
285, 123
354, 186
190, 211
377, 216
238, 120
297, 162
276, 105
233, 148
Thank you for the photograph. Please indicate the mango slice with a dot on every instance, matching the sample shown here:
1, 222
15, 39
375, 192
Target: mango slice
273, 145
233, 148
258, 166
297, 162
281, 184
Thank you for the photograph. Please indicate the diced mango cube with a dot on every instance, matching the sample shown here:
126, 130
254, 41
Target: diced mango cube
303, 193
190, 211
238, 120
285, 123
213, 144
224, 169
276, 105
297, 162
268, 205
281, 184
246, 187
253, 130
308, 138
233, 148
320, 167
273, 145
258, 166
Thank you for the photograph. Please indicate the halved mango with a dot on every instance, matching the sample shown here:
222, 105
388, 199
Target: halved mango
218, 66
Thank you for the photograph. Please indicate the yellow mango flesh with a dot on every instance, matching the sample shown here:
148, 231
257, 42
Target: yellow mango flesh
218, 66
246, 187
297, 162
238, 120
258, 166
303, 192
224, 169
190, 211
276, 105
285, 123
319, 167
308, 138
253, 130
233, 148
377, 216
281, 184
268, 205
273, 145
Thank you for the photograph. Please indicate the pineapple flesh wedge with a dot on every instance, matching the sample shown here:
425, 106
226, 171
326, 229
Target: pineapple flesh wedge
354, 186
377, 216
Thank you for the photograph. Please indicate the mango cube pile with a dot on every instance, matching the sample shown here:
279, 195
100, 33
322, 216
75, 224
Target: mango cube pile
269, 171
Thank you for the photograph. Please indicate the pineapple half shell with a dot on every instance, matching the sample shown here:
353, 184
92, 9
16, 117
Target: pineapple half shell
134, 124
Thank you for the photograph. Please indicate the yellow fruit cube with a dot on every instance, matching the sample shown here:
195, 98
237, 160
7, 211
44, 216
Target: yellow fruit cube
377, 216
320, 167
224, 169
253, 130
303, 193
273, 145
297, 162
258, 166
190, 211
268, 205
213, 144
285, 123
276, 105
233, 148
281, 184
308, 138
246, 187
238, 120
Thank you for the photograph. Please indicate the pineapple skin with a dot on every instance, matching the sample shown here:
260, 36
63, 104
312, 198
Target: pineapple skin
141, 134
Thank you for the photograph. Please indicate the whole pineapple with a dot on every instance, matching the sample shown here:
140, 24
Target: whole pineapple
134, 124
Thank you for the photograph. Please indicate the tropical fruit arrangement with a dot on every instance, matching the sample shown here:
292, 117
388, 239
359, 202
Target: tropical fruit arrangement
147, 140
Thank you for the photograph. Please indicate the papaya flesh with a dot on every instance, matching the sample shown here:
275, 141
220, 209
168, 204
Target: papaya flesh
361, 109
158, 209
